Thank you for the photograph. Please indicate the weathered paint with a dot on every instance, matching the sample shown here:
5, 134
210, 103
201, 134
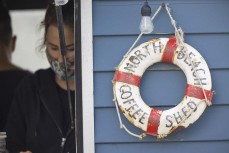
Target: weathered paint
127, 79
170, 48
193, 91
154, 122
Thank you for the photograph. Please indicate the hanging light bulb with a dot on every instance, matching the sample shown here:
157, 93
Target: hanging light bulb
146, 25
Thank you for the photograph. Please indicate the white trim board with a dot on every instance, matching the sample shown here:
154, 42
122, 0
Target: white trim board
87, 76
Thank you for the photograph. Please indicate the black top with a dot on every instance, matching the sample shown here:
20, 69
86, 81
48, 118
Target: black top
8, 83
35, 120
66, 119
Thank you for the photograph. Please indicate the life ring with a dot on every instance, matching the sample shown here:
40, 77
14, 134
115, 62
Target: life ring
127, 79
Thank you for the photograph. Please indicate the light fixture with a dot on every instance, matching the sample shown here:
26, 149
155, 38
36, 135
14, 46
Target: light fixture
146, 25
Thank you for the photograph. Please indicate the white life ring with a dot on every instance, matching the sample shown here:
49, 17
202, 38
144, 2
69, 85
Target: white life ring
127, 80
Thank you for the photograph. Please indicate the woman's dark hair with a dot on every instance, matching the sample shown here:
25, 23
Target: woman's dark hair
5, 24
50, 16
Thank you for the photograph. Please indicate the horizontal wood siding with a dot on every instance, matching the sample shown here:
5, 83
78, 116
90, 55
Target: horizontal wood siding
157, 88
123, 17
167, 147
213, 48
206, 27
209, 127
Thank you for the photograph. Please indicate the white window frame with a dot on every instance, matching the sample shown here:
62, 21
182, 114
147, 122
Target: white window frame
87, 76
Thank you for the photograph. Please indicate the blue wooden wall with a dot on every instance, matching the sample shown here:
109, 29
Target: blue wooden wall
206, 27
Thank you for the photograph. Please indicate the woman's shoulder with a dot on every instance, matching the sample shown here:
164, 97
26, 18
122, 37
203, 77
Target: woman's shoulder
43, 73
37, 79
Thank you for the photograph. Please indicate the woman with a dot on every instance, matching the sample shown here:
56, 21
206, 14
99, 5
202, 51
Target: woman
40, 120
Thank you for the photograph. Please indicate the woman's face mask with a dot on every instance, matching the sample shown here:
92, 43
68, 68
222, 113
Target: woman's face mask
59, 69
54, 55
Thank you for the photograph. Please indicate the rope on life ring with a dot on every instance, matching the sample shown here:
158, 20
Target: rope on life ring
128, 75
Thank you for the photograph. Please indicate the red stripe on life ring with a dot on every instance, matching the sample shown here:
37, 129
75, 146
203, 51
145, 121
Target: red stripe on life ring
154, 122
197, 92
127, 78
169, 50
